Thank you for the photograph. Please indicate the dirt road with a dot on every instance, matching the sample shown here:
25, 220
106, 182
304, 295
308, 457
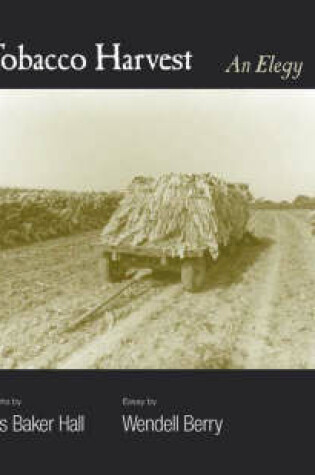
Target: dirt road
257, 310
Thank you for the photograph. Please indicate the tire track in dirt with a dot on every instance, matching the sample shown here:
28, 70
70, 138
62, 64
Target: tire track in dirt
105, 344
251, 338
50, 341
292, 335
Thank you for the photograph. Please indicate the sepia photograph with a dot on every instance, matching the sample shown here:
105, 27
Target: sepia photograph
157, 229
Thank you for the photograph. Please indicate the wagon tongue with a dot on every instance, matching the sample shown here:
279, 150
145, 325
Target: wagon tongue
136, 274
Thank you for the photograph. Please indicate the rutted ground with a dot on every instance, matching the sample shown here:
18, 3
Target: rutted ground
257, 310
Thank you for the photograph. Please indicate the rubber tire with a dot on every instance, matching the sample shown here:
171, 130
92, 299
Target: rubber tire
106, 269
193, 274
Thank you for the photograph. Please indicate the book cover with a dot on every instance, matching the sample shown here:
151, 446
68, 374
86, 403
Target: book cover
157, 238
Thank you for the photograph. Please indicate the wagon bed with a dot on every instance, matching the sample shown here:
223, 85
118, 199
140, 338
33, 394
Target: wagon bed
154, 252
191, 264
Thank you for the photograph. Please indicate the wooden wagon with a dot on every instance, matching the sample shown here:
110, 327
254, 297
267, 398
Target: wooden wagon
191, 264
176, 222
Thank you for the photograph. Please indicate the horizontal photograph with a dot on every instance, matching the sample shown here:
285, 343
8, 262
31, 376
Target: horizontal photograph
157, 229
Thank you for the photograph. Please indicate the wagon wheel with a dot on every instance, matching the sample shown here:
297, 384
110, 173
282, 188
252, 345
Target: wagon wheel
193, 273
109, 269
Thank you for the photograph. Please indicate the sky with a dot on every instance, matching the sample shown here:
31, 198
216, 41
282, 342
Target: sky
100, 139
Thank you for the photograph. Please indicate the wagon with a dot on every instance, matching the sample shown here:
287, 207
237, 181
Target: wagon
191, 265
175, 223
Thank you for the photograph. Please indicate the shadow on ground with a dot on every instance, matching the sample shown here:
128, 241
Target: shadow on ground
228, 269
233, 263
